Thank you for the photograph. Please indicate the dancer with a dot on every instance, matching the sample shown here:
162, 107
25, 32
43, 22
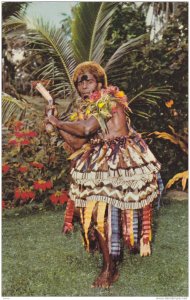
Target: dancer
114, 173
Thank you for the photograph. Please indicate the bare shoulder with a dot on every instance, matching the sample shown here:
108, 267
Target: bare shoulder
119, 112
117, 124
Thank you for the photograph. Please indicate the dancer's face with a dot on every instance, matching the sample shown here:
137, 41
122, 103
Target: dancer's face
86, 84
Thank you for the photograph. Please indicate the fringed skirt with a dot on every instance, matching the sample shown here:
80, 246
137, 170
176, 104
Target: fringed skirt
119, 178
130, 226
120, 172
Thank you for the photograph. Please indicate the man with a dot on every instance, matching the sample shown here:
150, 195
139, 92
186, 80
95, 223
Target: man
114, 174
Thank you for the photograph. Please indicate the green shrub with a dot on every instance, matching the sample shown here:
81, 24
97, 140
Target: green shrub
34, 168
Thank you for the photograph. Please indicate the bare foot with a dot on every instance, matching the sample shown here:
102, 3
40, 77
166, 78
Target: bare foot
105, 279
115, 276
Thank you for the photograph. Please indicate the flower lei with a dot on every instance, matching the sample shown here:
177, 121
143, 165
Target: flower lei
101, 104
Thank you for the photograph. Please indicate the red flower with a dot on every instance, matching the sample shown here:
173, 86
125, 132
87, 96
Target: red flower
17, 193
59, 197
5, 168
31, 134
19, 134
95, 96
3, 204
13, 142
112, 90
23, 134
63, 198
54, 199
37, 165
18, 125
49, 184
42, 185
23, 169
31, 194
25, 142
24, 194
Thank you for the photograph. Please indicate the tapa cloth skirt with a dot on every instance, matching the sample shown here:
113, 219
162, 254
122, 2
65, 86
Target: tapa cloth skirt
121, 172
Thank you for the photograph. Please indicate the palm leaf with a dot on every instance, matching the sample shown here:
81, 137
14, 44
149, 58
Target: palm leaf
51, 42
117, 60
12, 107
173, 138
152, 94
89, 29
179, 176
141, 114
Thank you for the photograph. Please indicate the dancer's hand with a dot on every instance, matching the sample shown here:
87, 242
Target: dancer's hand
51, 108
54, 121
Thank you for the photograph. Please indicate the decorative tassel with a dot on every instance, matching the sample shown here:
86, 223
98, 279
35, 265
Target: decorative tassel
109, 228
116, 150
97, 155
100, 217
69, 216
124, 225
84, 159
144, 249
160, 187
82, 215
112, 147
128, 215
135, 226
102, 153
131, 228
76, 153
146, 224
115, 232
87, 220
146, 231
85, 148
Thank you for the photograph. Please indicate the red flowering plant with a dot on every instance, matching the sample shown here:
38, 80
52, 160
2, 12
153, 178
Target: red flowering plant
59, 197
33, 168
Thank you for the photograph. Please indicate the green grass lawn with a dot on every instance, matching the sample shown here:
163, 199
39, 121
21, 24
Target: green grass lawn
38, 260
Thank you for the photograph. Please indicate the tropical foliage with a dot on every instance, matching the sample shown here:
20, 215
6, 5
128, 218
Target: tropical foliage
89, 29
160, 63
11, 8
12, 107
182, 141
34, 171
152, 74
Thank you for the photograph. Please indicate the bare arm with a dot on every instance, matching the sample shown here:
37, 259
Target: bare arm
82, 128
73, 141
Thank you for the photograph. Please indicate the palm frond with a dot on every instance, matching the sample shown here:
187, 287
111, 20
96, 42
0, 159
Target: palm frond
12, 107
174, 138
51, 42
89, 29
183, 176
141, 114
152, 94
117, 60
